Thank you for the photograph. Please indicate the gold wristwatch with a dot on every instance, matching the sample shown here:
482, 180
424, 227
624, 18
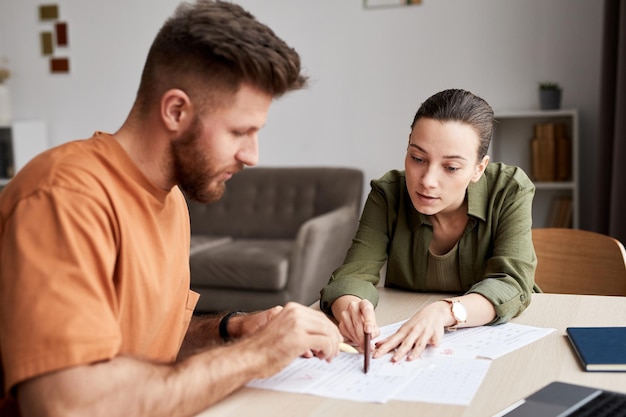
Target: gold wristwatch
458, 311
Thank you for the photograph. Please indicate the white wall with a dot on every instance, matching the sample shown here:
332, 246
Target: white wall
369, 69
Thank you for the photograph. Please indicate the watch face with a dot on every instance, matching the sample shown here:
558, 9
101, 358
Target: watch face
459, 311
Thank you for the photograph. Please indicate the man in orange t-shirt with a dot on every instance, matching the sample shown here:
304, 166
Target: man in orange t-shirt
95, 306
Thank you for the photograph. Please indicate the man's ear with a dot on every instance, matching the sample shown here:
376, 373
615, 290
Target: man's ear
480, 168
175, 109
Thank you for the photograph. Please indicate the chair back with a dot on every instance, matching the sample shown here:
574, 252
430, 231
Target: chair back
572, 261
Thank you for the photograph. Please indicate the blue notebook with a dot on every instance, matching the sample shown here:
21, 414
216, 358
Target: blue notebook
600, 348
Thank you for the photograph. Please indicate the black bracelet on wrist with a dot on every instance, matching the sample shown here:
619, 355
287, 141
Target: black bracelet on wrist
224, 326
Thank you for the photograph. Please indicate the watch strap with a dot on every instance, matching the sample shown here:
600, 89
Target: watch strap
223, 327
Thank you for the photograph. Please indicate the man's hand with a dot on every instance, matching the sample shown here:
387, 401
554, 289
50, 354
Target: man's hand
295, 330
246, 324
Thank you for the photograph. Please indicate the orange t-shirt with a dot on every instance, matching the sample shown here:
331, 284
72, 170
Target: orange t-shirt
94, 262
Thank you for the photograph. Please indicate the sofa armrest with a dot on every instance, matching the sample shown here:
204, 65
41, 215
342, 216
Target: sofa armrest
321, 246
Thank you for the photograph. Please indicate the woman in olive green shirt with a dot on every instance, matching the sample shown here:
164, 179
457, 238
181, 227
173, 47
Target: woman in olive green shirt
450, 222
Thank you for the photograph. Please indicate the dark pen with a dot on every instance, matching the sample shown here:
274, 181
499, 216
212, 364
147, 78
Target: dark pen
366, 353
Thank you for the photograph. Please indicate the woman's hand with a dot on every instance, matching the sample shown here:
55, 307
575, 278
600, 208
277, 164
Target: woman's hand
355, 317
426, 327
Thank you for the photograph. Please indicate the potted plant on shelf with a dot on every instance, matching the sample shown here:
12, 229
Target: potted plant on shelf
549, 95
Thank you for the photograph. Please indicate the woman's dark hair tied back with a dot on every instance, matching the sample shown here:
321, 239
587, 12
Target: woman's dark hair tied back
461, 106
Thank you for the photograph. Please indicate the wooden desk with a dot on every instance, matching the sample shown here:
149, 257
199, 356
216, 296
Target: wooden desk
510, 377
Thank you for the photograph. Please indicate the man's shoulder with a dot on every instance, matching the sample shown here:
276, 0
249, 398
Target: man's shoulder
81, 153
77, 165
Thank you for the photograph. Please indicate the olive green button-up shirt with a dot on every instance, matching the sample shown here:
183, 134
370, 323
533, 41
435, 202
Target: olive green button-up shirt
496, 254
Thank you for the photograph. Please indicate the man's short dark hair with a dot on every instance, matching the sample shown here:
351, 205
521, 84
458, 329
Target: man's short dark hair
208, 48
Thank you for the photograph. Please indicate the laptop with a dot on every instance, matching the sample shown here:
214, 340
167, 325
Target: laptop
560, 399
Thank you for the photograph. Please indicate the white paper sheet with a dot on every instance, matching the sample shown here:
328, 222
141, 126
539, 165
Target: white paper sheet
450, 373
492, 342
489, 342
447, 381
344, 377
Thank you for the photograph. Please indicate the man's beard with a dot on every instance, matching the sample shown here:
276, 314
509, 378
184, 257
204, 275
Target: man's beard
192, 170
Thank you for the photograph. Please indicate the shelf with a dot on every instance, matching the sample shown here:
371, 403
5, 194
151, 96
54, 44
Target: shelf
535, 113
562, 185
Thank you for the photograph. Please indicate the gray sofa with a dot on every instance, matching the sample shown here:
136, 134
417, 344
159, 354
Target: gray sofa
275, 236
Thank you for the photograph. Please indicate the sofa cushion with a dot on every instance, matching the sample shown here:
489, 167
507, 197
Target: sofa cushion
266, 265
200, 243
